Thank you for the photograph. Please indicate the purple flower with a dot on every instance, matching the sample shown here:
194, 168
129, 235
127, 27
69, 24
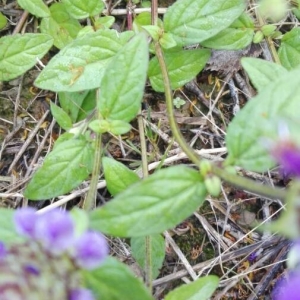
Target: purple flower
293, 258
25, 221
55, 230
287, 154
81, 294
90, 250
2, 250
287, 288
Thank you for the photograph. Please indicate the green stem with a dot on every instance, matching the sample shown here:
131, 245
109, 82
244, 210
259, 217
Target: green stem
169, 102
90, 200
233, 179
148, 254
249, 184
269, 41
143, 146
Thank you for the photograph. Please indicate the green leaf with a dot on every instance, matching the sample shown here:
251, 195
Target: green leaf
82, 9
153, 31
258, 37
118, 177
146, 4
262, 72
3, 21
144, 19
268, 29
124, 80
64, 137
150, 206
60, 25
115, 127
289, 50
8, 234
99, 126
119, 127
78, 104
258, 122
104, 22
167, 41
193, 21
80, 65
18, 53
183, 66
61, 117
157, 246
201, 289
69, 163
86, 29
36, 7
237, 36
114, 281
296, 12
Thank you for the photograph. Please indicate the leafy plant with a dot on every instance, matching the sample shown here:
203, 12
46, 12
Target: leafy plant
100, 76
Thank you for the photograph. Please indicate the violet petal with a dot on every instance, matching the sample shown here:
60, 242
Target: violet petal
287, 288
90, 250
2, 250
55, 230
288, 156
25, 221
81, 294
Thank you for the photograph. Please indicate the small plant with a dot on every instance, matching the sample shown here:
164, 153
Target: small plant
178, 102
99, 75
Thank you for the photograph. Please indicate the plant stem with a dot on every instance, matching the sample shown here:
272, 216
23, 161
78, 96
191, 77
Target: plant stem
233, 179
169, 102
148, 255
269, 41
143, 145
90, 200
154, 12
249, 184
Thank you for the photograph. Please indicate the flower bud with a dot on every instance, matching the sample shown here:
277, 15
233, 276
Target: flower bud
213, 185
258, 37
268, 29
